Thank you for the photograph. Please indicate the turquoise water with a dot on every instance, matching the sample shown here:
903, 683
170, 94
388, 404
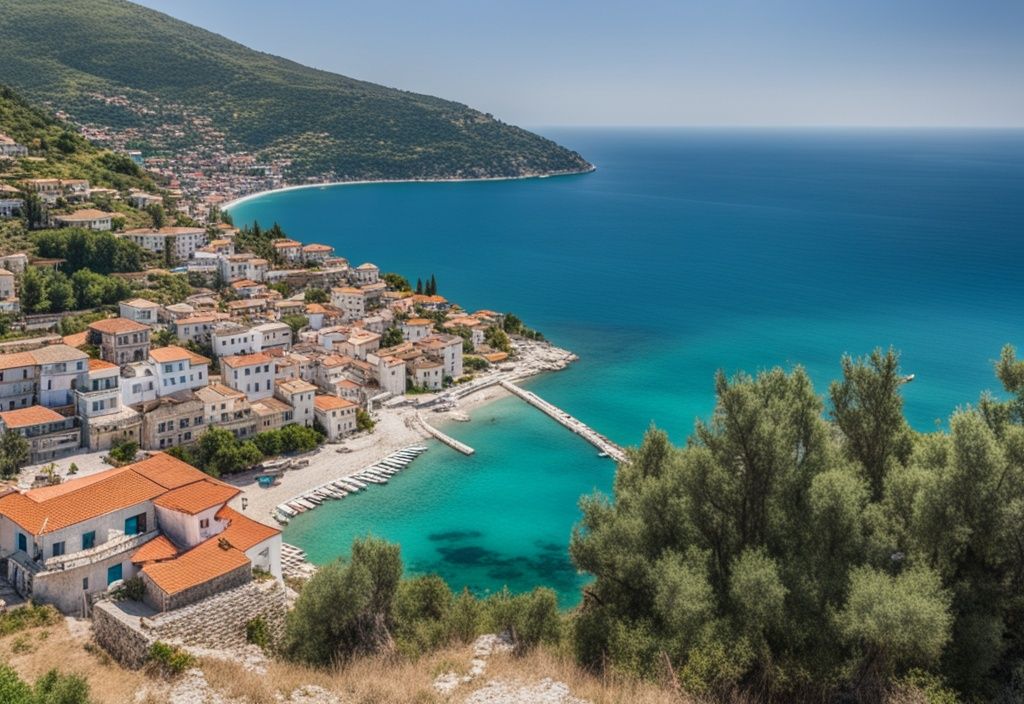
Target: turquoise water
687, 251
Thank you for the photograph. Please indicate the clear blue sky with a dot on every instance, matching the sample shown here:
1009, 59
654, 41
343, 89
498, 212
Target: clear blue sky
659, 62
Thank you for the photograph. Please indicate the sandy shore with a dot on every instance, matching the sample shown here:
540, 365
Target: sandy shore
250, 196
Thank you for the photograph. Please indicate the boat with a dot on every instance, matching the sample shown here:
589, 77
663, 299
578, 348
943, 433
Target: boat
602, 454
286, 510
354, 481
909, 378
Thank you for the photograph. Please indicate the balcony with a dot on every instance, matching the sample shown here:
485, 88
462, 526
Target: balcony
116, 545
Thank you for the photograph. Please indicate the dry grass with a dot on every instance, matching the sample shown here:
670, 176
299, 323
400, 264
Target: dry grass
35, 651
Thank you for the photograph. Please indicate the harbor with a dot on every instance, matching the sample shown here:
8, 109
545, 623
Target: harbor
378, 473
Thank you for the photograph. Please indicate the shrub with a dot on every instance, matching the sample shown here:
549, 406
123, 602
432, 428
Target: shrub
124, 451
464, 617
30, 616
531, 619
257, 632
169, 660
55, 688
133, 589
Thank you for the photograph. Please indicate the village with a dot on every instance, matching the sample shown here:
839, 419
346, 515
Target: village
343, 366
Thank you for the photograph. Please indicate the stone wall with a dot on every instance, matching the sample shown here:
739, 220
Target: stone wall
216, 623
219, 621
127, 643
162, 601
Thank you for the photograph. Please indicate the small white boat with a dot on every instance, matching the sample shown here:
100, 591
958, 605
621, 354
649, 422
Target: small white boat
355, 482
909, 378
286, 510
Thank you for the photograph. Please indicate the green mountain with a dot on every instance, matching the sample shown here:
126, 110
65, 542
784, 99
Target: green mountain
58, 151
114, 63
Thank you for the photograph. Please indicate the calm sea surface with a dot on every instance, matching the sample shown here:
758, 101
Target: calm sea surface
686, 252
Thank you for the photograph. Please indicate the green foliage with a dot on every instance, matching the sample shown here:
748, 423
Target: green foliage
295, 322
796, 557
364, 421
259, 241
290, 438
219, 452
157, 215
169, 660
13, 690
511, 324
316, 295
531, 619
392, 336
474, 363
168, 289
100, 252
257, 632
497, 338
26, 617
123, 451
51, 688
72, 324
345, 610
396, 282
350, 128
133, 589
14, 453
64, 154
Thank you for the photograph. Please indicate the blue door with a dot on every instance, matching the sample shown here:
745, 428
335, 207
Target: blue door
22, 542
113, 573
131, 525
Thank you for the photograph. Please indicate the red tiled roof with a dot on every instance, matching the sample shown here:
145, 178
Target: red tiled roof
197, 497
207, 561
330, 403
245, 360
243, 532
116, 326
33, 415
156, 550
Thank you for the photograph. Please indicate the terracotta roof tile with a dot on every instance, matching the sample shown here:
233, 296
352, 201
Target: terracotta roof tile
173, 353
33, 415
116, 326
205, 562
18, 359
245, 360
156, 550
243, 532
197, 497
330, 403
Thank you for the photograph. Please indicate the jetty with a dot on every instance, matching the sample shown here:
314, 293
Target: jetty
603, 444
446, 439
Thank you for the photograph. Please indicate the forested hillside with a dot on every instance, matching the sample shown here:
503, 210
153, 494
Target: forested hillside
78, 55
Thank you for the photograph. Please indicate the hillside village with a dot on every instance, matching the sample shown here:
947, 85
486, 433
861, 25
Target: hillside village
226, 335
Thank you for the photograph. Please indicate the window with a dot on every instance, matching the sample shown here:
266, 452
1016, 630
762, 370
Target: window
58, 549
204, 522
85, 584
22, 542
135, 524
89, 540
114, 573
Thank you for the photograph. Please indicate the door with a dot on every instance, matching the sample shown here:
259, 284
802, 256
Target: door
131, 525
114, 573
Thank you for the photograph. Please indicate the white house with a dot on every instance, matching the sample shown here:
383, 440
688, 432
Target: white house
415, 329
6, 284
140, 310
90, 218
336, 415
299, 395
230, 339
62, 369
178, 369
359, 344
350, 301
183, 241
365, 274
251, 374
271, 336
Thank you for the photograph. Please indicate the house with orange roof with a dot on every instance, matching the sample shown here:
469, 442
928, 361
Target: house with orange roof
171, 420
178, 369
252, 374
359, 343
19, 374
62, 369
140, 310
336, 416
160, 519
247, 288
182, 241
50, 435
89, 218
228, 409
317, 253
366, 273
415, 329
197, 328
299, 395
288, 250
120, 340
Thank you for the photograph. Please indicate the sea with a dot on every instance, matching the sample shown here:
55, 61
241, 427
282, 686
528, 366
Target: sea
686, 252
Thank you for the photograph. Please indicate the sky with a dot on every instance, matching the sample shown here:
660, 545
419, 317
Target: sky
659, 62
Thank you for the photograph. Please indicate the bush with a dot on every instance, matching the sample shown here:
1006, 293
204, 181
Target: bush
464, 617
30, 616
124, 451
364, 421
133, 589
531, 619
421, 610
51, 688
169, 660
257, 632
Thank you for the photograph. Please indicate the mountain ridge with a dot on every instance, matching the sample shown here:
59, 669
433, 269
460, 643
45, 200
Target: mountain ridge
114, 63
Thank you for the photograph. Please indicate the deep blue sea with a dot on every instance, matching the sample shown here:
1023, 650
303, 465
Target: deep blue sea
687, 251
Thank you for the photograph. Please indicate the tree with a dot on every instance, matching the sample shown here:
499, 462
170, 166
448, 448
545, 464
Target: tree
868, 409
123, 451
497, 338
316, 295
392, 336
364, 421
396, 282
157, 215
419, 286
35, 211
14, 453
295, 322
346, 610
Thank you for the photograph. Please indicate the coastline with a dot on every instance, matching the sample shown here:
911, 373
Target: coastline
225, 207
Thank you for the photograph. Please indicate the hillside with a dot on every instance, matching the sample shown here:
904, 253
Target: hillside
58, 151
114, 63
